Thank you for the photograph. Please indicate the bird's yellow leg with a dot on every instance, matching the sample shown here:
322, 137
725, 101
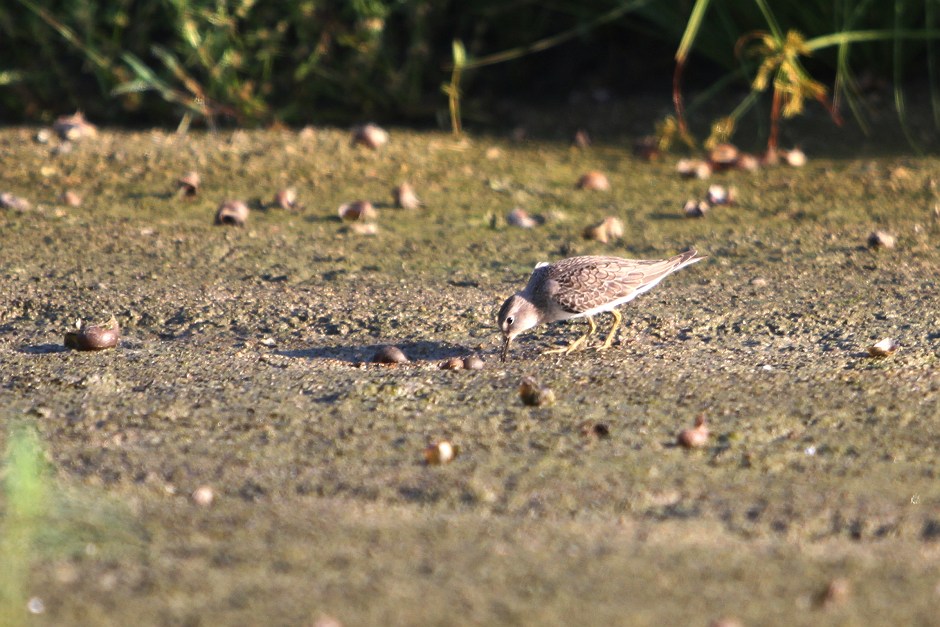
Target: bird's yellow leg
567, 350
613, 331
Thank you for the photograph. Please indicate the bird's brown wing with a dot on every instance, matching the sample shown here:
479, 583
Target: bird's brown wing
584, 283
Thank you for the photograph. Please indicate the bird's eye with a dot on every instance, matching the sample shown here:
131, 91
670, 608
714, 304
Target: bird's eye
510, 320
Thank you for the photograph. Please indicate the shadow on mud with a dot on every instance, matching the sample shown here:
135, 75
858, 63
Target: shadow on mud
42, 349
414, 351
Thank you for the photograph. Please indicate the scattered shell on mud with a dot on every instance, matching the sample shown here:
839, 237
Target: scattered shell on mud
696, 208
389, 354
795, 157
693, 168
608, 229
534, 394
94, 337
10, 201
883, 348
882, 239
286, 198
364, 228
696, 437
647, 148
594, 180
188, 184
723, 156
748, 163
473, 362
519, 217
454, 363
836, 592
440, 453
599, 430
203, 496
370, 135
232, 212
357, 210
405, 197
721, 195
325, 620
70, 198
74, 127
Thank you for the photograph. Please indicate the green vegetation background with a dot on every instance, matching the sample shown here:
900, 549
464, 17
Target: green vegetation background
329, 61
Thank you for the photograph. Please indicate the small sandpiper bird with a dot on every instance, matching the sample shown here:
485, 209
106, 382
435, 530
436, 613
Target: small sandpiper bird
582, 287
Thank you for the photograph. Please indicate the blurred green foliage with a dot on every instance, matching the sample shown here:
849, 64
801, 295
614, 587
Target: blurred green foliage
248, 62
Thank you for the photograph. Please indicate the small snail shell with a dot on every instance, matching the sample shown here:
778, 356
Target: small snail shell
594, 180
370, 135
723, 156
520, 217
357, 210
405, 197
440, 453
696, 437
389, 354
94, 337
286, 198
188, 184
233, 212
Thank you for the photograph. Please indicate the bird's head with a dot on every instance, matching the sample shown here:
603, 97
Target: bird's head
515, 316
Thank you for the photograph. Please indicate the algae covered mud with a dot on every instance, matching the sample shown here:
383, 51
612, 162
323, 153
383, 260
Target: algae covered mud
237, 460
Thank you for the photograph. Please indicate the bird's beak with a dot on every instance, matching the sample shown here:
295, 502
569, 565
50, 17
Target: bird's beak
506, 341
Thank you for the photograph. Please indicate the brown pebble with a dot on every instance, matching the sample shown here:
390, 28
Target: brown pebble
357, 210
232, 212
473, 362
94, 337
370, 135
881, 239
454, 363
726, 621
405, 197
188, 184
534, 394
389, 354
594, 180
696, 437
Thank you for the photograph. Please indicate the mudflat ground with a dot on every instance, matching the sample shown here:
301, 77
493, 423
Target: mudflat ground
815, 502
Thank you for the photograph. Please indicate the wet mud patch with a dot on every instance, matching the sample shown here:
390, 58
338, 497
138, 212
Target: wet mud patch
237, 371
